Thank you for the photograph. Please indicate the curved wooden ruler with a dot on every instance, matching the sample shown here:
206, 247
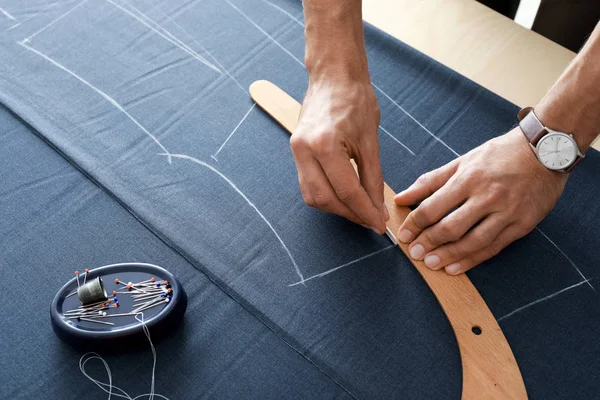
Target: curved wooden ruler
490, 370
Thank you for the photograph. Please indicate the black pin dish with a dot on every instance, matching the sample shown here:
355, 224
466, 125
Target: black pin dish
111, 324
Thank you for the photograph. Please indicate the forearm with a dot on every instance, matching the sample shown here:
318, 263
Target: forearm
335, 47
573, 103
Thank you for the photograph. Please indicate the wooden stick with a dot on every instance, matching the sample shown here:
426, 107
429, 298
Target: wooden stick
490, 370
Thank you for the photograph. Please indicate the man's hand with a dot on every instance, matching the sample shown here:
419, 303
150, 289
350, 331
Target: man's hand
339, 121
339, 118
478, 204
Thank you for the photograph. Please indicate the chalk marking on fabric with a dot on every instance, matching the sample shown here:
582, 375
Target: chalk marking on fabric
285, 12
458, 155
265, 33
415, 120
190, 52
322, 274
203, 48
7, 14
172, 36
399, 142
567, 258
101, 93
109, 387
543, 299
30, 17
226, 179
28, 39
214, 156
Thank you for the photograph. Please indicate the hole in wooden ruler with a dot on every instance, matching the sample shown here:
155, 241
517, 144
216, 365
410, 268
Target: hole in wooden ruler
476, 330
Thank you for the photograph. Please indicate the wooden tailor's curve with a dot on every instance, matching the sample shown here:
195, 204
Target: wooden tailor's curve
490, 370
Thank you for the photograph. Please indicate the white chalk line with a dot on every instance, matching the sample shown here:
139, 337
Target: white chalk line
415, 120
397, 105
7, 14
214, 156
203, 49
543, 299
458, 155
303, 281
397, 140
190, 52
285, 12
33, 16
565, 256
250, 203
100, 92
28, 39
266, 34
197, 56
172, 36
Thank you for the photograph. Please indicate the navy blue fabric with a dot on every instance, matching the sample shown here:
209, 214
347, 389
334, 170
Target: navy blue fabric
54, 221
149, 100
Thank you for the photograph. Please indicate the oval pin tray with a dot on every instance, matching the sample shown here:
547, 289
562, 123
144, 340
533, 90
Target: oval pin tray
111, 325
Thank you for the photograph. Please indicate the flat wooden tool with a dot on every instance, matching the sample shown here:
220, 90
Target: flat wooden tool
490, 370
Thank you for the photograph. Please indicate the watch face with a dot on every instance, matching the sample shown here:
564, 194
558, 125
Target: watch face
557, 150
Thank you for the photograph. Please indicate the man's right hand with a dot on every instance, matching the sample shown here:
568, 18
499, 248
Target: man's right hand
339, 122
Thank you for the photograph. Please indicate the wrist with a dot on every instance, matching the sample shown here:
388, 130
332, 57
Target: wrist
572, 103
335, 48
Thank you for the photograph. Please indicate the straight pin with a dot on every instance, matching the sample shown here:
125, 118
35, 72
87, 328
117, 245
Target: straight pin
98, 322
150, 306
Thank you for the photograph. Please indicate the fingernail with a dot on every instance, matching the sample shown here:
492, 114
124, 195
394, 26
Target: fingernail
365, 226
453, 268
417, 251
432, 261
386, 213
377, 231
405, 236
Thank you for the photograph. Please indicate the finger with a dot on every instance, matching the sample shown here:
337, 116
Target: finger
317, 191
348, 190
371, 177
426, 185
481, 237
506, 237
430, 212
450, 229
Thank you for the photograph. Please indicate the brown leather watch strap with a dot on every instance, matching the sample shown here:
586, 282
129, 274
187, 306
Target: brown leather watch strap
577, 161
531, 126
534, 130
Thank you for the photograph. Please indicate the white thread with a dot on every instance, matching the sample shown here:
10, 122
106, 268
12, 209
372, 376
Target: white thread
226, 179
265, 33
54, 21
399, 142
203, 48
33, 16
214, 156
568, 259
285, 12
185, 49
7, 14
542, 299
303, 281
101, 93
102, 385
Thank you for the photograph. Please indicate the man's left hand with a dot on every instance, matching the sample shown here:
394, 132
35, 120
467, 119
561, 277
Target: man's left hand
476, 205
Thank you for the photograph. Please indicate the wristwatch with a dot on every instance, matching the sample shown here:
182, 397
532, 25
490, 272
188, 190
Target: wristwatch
557, 151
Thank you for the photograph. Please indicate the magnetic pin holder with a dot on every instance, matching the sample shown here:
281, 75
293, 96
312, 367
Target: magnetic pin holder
105, 310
